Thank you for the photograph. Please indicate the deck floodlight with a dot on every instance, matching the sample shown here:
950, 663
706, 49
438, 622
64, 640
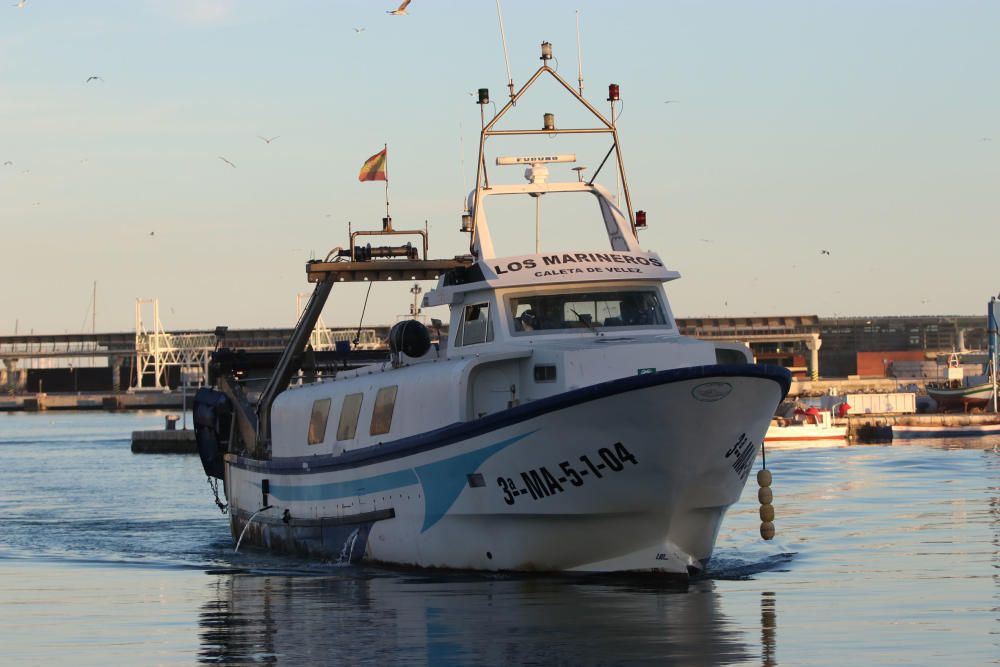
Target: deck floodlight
640, 219
549, 121
613, 93
484, 96
546, 51
466, 222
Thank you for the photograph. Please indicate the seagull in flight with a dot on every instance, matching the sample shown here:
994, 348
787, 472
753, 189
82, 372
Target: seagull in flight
672, 102
93, 78
265, 139
227, 162
824, 252
8, 163
21, 3
359, 30
399, 11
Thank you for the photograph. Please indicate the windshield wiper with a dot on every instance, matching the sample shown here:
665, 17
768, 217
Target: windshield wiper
585, 322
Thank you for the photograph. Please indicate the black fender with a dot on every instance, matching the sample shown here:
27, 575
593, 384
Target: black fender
213, 416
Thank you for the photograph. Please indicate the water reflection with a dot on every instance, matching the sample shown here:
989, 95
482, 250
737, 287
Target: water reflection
450, 621
768, 630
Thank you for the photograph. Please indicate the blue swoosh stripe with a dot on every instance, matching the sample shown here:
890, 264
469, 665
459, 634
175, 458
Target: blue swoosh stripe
441, 481
354, 487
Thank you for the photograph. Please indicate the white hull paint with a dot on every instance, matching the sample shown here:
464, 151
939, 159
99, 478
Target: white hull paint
962, 397
541, 507
803, 433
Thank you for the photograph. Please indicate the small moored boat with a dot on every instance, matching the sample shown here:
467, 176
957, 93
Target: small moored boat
958, 392
912, 432
811, 425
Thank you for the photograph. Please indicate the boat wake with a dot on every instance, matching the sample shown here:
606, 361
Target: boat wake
728, 567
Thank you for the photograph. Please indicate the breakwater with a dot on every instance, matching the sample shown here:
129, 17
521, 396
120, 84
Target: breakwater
110, 401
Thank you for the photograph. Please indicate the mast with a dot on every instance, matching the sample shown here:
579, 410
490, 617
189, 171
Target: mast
603, 126
992, 316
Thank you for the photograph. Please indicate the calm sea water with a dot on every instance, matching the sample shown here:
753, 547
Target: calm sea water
884, 555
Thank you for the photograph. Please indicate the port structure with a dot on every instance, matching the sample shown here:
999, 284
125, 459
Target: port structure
325, 339
156, 351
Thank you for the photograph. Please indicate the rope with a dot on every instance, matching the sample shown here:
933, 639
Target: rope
357, 336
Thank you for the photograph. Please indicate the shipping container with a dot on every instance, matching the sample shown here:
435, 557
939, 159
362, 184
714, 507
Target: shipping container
903, 403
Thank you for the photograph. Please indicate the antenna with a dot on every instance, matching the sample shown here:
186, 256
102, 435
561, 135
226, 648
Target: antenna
579, 53
506, 58
461, 161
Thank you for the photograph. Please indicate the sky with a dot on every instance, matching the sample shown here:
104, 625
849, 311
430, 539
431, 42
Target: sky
867, 129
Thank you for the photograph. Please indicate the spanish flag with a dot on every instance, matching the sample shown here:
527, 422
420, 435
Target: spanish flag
374, 167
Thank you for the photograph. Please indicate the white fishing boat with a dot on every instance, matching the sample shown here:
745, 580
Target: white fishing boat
563, 424
815, 426
957, 392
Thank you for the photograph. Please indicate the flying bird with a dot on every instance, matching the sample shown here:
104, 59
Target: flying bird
21, 3
8, 163
93, 78
672, 102
265, 139
401, 10
152, 233
359, 30
824, 252
227, 162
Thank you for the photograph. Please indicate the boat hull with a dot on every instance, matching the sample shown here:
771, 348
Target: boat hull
961, 398
966, 431
631, 475
803, 433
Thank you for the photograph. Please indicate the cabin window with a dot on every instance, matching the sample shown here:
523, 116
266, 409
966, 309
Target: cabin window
724, 355
349, 413
317, 421
476, 326
385, 402
586, 310
545, 373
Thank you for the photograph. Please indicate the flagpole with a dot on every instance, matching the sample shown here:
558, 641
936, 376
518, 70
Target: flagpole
385, 147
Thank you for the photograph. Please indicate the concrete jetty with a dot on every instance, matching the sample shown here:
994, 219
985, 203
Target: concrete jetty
168, 441
856, 422
145, 400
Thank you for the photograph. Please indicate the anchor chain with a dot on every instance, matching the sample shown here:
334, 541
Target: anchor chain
214, 484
